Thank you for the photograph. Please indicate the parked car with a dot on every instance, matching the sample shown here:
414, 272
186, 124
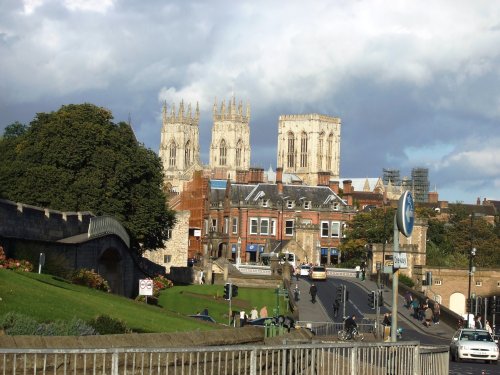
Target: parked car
474, 344
285, 321
317, 273
205, 318
304, 270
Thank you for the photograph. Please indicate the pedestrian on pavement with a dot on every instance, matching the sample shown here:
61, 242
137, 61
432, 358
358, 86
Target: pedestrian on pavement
296, 293
336, 306
387, 320
243, 318
297, 273
254, 314
488, 327
477, 322
263, 312
415, 304
437, 312
408, 300
428, 314
313, 290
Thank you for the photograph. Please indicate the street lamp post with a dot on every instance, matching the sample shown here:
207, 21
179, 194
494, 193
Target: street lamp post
281, 224
318, 247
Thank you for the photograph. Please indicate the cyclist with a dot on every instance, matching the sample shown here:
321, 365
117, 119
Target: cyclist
350, 325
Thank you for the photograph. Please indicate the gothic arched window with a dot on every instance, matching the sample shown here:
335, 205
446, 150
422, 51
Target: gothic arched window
239, 147
187, 154
172, 154
303, 150
320, 150
291, 151
329, 151
222, 153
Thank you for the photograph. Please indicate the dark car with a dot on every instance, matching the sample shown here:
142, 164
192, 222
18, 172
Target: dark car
206, 318
285, 321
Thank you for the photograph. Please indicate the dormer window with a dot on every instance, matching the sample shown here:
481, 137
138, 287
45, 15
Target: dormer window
307, 205
264, 202
290, 204
335, 206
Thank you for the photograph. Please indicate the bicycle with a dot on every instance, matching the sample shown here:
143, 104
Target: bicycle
354, 334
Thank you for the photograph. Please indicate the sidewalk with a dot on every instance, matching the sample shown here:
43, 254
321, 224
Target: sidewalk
307, 310
439, 330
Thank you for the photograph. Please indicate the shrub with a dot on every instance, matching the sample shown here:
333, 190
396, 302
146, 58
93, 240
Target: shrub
15, 324
403, 279
106, 325
14, 264
159, 283
90, 278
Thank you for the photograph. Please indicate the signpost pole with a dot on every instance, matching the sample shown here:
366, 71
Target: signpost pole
395, 285
403, 222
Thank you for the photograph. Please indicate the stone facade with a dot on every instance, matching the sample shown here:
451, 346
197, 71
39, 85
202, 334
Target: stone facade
308, 144
230, 146
450, 287
175, 252
179, 145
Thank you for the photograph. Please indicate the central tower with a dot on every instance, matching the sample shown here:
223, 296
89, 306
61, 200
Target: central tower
230, 147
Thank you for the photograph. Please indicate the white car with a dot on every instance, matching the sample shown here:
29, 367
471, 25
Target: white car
304, 270
476, 344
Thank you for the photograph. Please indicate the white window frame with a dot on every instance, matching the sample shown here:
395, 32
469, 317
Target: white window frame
264, 202
289, 230
235, 225
290, 204
167, 258
332, 231
252, 221
438, 282
267, 227
335, 206
325, 225
479, 283
273, 227
307, 205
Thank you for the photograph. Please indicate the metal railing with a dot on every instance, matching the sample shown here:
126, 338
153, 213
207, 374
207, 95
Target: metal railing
332, 328
319, 359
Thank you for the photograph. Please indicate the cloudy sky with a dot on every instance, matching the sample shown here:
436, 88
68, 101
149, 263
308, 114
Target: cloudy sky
416, 83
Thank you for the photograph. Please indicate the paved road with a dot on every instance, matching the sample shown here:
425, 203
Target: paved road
413, 330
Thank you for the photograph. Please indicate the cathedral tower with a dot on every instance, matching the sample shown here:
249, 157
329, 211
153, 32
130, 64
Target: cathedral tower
308, 144
180, 145
230, 147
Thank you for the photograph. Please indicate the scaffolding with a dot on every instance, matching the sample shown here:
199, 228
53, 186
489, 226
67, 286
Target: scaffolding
393, 176
420, 184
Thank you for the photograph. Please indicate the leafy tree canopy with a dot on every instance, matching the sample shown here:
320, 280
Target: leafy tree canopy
77, 159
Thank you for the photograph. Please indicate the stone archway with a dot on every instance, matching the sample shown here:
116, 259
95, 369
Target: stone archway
110, 267
457, 303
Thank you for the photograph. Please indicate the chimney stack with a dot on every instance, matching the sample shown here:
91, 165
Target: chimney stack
279, 180
323, 178
334, 185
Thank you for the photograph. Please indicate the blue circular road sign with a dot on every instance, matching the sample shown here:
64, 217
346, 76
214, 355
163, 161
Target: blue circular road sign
405, 217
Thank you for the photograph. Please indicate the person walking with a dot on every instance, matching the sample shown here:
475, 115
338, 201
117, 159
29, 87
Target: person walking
488, 327
296, 293
313, 290
336, 306
428, 314
254, 314
263, 312
437, 312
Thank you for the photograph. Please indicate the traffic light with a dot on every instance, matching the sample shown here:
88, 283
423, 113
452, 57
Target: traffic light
234, 291
227, 291
338, 295
380, 299
371, 299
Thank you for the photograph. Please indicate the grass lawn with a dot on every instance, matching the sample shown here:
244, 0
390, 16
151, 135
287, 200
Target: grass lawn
192, 299
47, 298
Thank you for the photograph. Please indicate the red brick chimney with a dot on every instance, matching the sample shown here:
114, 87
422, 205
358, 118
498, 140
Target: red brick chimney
347, 184
323, 178
433, 197
334, 185
279, 180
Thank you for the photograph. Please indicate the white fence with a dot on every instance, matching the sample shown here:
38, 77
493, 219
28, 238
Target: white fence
319, 359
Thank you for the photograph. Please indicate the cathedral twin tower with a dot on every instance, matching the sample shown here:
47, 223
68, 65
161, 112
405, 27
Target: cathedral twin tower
307, 144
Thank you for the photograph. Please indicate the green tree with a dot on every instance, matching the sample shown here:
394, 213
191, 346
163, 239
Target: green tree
374, 226
77, 159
